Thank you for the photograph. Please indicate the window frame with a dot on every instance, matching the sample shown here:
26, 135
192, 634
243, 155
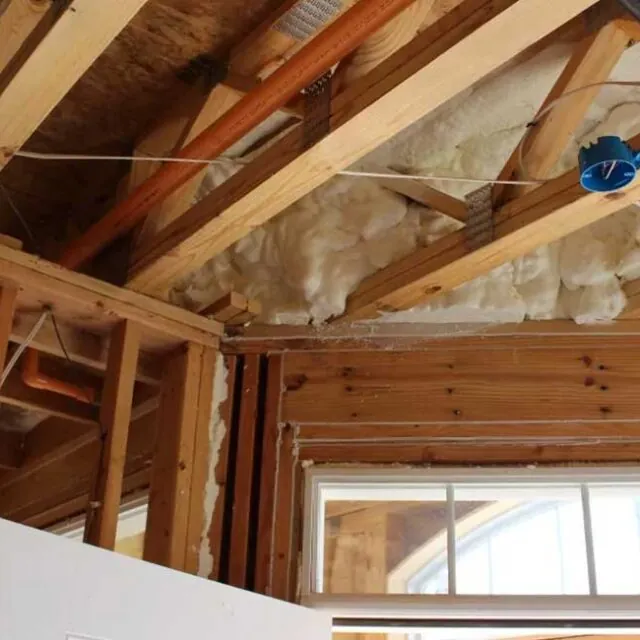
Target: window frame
368, 612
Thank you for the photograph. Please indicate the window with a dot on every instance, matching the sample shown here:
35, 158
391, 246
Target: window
132, 522
393, 546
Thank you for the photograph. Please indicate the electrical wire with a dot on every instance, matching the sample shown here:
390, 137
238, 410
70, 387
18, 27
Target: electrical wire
25, 343
59, 337
356, 174
527, 179
19, 216
552, 105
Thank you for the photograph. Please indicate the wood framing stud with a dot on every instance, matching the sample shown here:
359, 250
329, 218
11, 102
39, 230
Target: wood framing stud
181, 456
115, 416
233, 309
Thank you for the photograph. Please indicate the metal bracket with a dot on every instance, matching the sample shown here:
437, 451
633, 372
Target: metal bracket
479, 225
317, 110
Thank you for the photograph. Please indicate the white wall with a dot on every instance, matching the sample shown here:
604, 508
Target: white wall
52, 588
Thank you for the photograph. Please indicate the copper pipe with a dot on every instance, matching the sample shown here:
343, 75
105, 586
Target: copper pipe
34, 378
328, 48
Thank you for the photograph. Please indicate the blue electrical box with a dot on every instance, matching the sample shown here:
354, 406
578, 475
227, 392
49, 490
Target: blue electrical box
608, 165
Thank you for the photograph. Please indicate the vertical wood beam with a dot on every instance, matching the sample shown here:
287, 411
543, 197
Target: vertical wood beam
166, 534
593, 61
115, 416
181, 458
268, 474
201, 459
7, 306
245, 458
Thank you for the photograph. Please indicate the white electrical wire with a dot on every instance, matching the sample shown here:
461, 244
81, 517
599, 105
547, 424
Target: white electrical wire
552, 105
356, 174
528, 180
25, 343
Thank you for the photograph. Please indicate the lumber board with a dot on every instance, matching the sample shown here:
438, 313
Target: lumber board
592, 61
80, 34
18, 20
474, 455
544, 215
56, 470
476, 38
77, 298
481, 433
202, 456
422, 193
171, 473
83, 347
268, 473
245, 462
11, 449
115, 415
514, 384
420, 337
215, 533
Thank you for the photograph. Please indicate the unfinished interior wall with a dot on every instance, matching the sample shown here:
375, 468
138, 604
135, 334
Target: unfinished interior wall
303, 265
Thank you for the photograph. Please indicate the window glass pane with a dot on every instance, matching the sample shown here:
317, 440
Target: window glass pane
615, 513
521, 546
379, 547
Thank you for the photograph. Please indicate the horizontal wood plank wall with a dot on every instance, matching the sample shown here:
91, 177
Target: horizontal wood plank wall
593, 382
60, 488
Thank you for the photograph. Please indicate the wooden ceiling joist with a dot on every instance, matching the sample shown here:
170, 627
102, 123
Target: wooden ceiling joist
28, 93
470, 42
544, 215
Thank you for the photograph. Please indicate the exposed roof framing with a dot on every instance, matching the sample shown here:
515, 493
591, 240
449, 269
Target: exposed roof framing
37, 78
548, 213
470, 42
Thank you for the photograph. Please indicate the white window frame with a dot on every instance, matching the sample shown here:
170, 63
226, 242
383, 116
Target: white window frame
368, 612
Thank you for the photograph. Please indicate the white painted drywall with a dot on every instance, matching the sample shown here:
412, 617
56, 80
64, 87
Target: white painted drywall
52, 588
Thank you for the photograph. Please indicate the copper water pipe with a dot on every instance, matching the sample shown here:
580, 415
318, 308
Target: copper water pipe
34, 378
326, 49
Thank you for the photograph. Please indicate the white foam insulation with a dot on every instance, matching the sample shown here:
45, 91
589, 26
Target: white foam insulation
217, 430
303, 264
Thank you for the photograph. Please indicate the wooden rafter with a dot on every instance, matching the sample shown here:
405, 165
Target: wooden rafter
592, 61
79, 35
18, 20
544, 215
473, 40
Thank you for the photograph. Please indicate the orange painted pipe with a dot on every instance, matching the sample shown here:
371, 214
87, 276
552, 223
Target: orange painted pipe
34, 378
325, 50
